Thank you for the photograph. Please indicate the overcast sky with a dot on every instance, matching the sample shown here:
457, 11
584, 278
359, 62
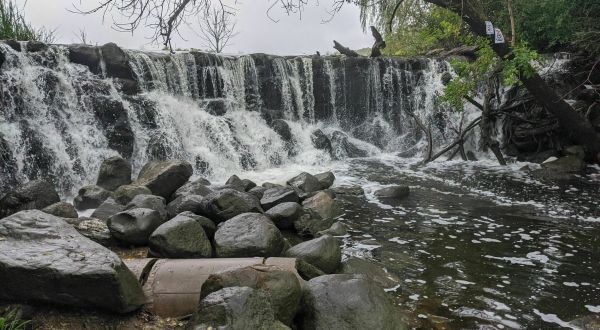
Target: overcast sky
257, 33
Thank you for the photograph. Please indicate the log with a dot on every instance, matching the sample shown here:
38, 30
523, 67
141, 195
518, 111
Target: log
379, 43
344, 50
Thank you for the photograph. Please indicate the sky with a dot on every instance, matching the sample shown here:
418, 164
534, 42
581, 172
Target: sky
290, 35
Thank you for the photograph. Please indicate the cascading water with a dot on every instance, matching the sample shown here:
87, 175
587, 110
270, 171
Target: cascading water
60, 118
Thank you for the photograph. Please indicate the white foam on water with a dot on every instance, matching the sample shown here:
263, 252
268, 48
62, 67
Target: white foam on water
552, 318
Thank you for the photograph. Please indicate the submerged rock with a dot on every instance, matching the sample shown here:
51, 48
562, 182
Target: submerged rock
163, 178
180, 237
248, 235
44, 259
134, 226
393, 192
371, 270
36, 194
62, 210
278, 195
225, 204
337, 229
114, 172
323, 252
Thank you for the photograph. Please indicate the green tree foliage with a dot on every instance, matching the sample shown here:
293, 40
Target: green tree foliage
14, 26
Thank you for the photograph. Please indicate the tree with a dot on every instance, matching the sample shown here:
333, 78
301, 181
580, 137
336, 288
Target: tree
217, 29
14, 26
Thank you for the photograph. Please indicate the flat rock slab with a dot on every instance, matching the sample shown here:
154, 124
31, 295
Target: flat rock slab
44, 259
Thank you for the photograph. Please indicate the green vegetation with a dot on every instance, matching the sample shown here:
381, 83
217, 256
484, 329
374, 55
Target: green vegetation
14, 26
11, 322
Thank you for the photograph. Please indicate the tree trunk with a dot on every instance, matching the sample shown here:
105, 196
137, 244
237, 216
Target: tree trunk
579, 129
344, 50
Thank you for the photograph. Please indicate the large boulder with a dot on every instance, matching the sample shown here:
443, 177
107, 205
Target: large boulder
44, 259
163, 178
33, 195
323, 205
305, 182
238, 184
393, 192
107, 209
114, 172
134, 226
225, 204
282, 287
285, 214
90, 197
235, 308
124, 194
567, 164
278, 195
310, 224
337, 229
282, 128
96, 230
198, 187
321, 141
345, 301
323, 252
180, 238
248, 235
191, 203
61, 210
343, 148
152, 202
208, 225
325, 179
258, 192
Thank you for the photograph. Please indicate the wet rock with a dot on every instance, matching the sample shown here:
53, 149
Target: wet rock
307, 271
323, 205
567, 164
248, 235
278, 195
107, 209
349, 190
112, 116
325, 179
227, 203
192, 203
90, 197
114, 172
282, 287
180, 238
323, 252
86, 55
61, 267
215, 107
34, 46
270, 185
310, 223
96, 230
134, 226
342, 147
124, 194
234, 308
33, 195
371, 270
344, 301
337, 229
394, 192
305, 182
152, 202
283, 215
163, 178
116, 62
209, 227
258, 192
198, 187
61, 210
577, 151
321, 141
282, 128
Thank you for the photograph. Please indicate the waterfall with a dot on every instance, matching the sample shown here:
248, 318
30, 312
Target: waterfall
65, 108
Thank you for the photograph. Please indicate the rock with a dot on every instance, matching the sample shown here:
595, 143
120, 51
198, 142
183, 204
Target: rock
282, 287
247, 184
323, 205
278, 195
44, 259
567, 164
307, 271
325, 179
192, 203
270, 185
349, 190
114, 172
111, 115
323, 252
227, 203
371, 270
34, 46
337, 229
321, 141
344, 301
235, 308
152, 202
283, 215
234, 181
310, 223
258, 192
216, 107
209, 227
86, 55
576, 151
198, 187
305, 182
134, 226
163, 178
248, 235
282, 128
33, 195
61, 210
343, 148
107, 209
90, 197
180, 238
393, 192
124, 194
96, 230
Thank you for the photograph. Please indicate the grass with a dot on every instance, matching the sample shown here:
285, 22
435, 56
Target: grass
10, 322
14, 26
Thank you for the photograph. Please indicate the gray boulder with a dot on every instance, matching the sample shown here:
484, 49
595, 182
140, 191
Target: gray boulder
225, 204
282, 287
209, 227
114, 172
325, 179
337, 229
134, 226
258, 192
61, 210
285, 214
96, 230
90, 197
198, 187
124, 194
323, 205
278, 195
163, 178
567, 164
270, 185
321, 141
44, 259
191, 203
305, 182
310, 223
323, 252
107, 209
235, 308
248, 235
282, 128
371, 270
152, 202
180, 238
345, 301
342, 147
393, 192
33, 195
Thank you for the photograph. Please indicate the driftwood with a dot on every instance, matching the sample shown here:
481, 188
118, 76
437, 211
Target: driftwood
458, 141
427, 133
344, 50
379, 43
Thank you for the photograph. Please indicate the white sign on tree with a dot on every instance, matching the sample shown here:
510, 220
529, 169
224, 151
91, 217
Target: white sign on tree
489, 28
499, 37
